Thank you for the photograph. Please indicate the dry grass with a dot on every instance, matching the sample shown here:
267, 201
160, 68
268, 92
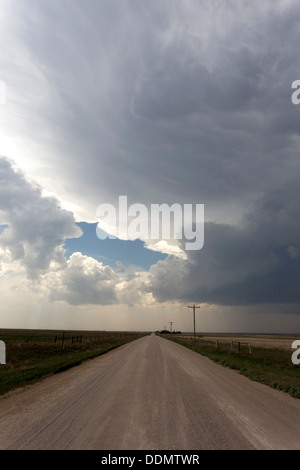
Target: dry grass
259, 341
271, 365
32, 354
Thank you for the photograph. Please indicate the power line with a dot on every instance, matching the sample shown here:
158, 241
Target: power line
194, 307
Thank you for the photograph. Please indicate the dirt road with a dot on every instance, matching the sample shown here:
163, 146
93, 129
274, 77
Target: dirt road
151, 394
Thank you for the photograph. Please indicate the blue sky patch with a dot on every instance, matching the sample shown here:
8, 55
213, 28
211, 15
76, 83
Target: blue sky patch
132, 254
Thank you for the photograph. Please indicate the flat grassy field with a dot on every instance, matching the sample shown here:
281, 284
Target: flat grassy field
262, 341
33, 354
262, 358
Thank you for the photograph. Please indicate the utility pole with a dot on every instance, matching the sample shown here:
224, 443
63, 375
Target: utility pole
194, 307
171, 323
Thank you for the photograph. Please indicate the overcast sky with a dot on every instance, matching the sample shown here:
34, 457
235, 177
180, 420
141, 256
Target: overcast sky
164, 101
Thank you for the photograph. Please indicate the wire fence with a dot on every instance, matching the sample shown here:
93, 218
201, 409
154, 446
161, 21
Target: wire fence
197, 340
64, 339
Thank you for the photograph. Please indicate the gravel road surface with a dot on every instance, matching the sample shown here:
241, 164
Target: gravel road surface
151, 394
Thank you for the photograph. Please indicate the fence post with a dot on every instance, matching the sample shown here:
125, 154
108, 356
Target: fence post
2, 352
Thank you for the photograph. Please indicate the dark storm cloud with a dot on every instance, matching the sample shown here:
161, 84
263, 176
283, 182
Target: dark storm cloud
164, 101
170, 102
253, 264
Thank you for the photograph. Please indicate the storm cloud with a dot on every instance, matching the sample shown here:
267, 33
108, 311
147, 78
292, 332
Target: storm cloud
257, 262
165, 102
169, 102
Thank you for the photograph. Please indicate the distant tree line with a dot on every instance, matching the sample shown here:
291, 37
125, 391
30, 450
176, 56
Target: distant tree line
167, 332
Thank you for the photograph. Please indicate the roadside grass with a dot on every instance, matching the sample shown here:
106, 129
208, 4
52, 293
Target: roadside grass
34, 354
272, 367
